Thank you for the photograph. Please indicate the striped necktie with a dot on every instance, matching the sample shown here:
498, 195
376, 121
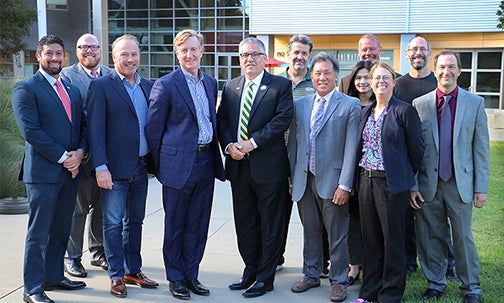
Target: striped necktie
317, 122
94, 74
245, 114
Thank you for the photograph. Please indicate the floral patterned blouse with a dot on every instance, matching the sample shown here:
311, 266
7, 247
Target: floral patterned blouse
372, 151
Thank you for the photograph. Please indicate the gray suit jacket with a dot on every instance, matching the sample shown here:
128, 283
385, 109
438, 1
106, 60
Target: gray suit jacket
335, 145
76, 75
471, 150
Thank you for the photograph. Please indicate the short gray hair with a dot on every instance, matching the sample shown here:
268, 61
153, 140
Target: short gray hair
254, 41
301, 38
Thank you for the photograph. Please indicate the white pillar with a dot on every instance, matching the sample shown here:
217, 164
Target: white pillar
404, 64
42, 18
100, 27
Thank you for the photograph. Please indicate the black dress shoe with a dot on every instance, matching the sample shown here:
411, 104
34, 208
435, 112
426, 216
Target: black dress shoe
430, 294
100, 262
65, 284
351, 280
472, 298
74, 268
243, 283
196, 287
36, 298
258, 289
179, 290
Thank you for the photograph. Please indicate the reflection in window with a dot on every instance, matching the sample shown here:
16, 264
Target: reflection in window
57, 4
488, 82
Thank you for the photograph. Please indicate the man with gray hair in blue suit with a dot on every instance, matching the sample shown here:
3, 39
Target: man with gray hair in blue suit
88, 203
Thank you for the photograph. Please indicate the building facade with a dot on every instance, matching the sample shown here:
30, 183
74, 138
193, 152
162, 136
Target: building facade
335, 26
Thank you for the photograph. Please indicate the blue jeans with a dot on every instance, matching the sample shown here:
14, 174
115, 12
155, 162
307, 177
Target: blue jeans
123, 214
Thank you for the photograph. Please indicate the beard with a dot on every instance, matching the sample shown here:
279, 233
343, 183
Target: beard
419, 66
51, 71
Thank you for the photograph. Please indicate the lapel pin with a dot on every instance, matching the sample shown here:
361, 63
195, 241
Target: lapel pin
263, 87
237, 88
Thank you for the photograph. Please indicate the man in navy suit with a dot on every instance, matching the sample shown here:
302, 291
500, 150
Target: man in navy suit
88, 193
182, 134
49, 114
117, 113
254, 113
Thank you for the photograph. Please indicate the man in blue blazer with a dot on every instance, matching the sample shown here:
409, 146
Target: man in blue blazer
257, 164
54, 129
449, 191
182, 134
117, 113
321, 146
88, 194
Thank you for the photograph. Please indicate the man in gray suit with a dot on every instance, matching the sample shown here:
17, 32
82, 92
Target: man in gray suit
455, 175
322, 146
88, 197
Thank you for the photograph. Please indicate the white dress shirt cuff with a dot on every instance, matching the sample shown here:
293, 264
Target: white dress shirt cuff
345, 188
63, 158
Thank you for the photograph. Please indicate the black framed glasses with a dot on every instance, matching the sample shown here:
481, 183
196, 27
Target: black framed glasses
85, 48
254, 55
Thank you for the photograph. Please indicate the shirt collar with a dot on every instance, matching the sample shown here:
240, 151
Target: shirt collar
453, 93
190, 76
257, 80
88, 71
122, 77
326, 97
49, 78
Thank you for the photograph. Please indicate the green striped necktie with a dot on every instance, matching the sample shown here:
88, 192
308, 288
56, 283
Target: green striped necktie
245, 114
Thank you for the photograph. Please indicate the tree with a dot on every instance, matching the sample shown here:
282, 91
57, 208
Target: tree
15, 21
500, 13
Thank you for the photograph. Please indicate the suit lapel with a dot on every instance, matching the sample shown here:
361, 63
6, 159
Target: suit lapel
332, 104
184, 91
55, 98
239, 90
73, 95
461, 107
121, 90
261, 92
430, 104
306, 115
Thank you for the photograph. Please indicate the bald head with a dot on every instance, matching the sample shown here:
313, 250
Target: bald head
88, 51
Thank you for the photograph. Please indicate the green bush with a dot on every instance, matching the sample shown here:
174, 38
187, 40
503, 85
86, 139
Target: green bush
11, 145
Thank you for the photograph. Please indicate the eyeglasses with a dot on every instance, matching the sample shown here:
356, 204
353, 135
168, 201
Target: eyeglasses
416, 49
384, 78
85, 48
254, 55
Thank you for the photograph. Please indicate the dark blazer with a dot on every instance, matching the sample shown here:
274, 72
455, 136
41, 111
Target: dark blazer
269, 119
114, 132
402, 143
45, 127
172, 128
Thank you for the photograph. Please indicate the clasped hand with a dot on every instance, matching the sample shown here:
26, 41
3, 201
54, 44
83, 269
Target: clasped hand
73, 161
238, 150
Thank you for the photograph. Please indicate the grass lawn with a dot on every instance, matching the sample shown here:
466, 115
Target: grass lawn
488, 230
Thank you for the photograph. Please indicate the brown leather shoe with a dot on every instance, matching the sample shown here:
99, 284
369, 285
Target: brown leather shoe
304, 284
141, 280
117, 288
338, 293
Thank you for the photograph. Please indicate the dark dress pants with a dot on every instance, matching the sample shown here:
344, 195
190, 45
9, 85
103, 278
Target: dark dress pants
260, 215
187, 217
383, 228
50, 218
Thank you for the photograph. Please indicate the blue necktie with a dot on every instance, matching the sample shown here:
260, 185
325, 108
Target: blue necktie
317, 121
445, 141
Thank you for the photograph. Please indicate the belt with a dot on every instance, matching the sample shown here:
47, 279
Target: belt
203, 147
373, 173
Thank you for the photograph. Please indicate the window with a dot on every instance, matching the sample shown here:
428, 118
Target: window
482, 74
57, 4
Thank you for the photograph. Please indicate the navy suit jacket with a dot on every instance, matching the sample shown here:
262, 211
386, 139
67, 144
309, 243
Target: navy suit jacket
114, 135
270, 117
172, 128
45, 127
402, 143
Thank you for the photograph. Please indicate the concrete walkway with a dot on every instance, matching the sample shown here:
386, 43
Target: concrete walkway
220, 266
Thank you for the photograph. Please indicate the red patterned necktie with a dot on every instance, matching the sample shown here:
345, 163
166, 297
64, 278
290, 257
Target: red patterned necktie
64, 100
